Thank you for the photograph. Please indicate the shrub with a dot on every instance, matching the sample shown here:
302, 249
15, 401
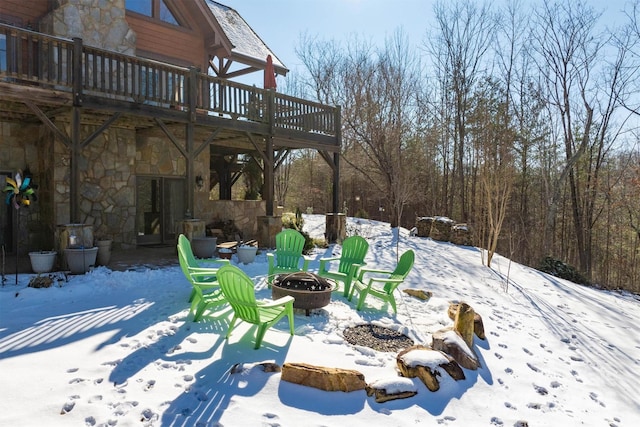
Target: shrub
296, 222
562, 270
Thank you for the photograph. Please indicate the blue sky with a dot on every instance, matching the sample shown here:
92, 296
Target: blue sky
280, 23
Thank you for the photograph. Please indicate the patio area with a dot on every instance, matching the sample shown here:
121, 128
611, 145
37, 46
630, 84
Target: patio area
121, 260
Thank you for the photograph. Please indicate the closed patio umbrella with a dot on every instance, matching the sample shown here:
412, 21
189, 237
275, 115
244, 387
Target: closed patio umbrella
269, 74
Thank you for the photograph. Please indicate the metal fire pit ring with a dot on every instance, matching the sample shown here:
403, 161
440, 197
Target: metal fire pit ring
309, 290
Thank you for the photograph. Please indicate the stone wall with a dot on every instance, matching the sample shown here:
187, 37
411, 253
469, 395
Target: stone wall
20, 146
107, 183
244, 213
444, 229
100, 23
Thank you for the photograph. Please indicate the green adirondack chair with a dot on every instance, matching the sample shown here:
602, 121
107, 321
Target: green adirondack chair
384, 283
238, 290
205, 289
351, 259
288, 254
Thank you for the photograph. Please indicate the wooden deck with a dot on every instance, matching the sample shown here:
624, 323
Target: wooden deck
41, 75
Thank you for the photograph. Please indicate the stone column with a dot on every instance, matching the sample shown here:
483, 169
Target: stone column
335, 227
268, 227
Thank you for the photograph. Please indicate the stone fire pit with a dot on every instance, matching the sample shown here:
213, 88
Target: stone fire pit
308, 289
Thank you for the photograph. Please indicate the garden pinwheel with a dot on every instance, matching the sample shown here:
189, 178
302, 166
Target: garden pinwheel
19, 191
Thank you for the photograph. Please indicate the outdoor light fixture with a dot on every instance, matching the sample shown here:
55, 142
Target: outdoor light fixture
199, 182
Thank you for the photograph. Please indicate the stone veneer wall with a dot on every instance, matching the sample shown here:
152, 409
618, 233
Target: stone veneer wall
20, 148
244, 213
107, 183
99, 23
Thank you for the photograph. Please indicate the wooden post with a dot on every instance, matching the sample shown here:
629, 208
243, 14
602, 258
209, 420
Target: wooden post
74, 184
189, 131
336, 161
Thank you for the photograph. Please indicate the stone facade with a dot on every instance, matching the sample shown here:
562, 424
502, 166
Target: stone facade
99, 23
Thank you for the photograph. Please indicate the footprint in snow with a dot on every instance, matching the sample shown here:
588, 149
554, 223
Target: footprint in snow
495, 421
96, 398
446, 419
594, 397
527, 351
192, 340
509, 405
540, 390
72, 370
89, 421
503, 346
150, 385
498, 355
148, 415
67, 407
533, 367
77, 381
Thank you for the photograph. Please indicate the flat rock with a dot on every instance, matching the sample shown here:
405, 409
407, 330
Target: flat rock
419, 293
391, 389
323, 378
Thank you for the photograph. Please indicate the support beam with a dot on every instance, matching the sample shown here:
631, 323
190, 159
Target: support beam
74, 184
268, 177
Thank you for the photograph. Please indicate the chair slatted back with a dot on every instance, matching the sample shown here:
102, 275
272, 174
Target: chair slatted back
405, 264
238, 290
354, 250
289, 247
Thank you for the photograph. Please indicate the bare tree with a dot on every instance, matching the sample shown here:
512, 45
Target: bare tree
458, 49
377, 89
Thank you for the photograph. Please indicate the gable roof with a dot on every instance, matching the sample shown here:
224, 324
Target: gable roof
246, 46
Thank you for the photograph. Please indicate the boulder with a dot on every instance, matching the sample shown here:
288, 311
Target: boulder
463, 322
441, 229
323, 378
391, 389
427, 364
450, 342
461, 235
478, 325
423, 226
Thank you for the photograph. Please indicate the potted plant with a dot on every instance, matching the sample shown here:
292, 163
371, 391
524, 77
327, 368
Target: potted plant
246, 253
225, 253
104, 250
42, 261
81, 259
204, 247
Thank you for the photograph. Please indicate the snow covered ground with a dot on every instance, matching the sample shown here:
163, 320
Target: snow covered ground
116, 349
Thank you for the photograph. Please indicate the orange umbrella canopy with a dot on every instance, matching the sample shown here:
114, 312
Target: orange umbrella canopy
269, 74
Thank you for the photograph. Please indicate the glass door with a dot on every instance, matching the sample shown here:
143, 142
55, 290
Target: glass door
160, 206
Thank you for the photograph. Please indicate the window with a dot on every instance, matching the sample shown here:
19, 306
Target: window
157, 9
166, 15
143, 7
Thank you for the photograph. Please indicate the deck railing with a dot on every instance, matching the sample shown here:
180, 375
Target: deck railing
28, 57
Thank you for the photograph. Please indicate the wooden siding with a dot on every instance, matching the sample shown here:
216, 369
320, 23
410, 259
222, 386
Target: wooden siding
25, 11
163, 41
